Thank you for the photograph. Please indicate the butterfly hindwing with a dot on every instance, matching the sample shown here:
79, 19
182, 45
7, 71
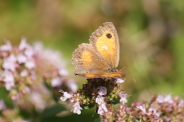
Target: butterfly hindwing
86, 60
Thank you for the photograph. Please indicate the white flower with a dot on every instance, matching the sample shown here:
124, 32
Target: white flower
66, 96
63, 72
6, 47
102, 109
24, 73
102, 91
8, 78
119, 80
9, 63
142, 108
56, 82
76, 108
167, 98
99, 100
2, 105
123, 98
21, 58
72, 85
30, 64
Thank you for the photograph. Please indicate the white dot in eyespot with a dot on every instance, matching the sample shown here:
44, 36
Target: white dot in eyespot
105, 47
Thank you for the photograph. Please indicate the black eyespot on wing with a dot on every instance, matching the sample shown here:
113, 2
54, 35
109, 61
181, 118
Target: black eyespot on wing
108, 35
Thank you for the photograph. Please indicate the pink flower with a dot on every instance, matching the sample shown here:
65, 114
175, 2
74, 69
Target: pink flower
30, 64
99, 100
102, 109
8, 78
23, 44
38, 100
56, 82
167, 98
66, 96
21, 58
181, 103
154, 109
142, 108
33, 75
29, 52
24, 73
76, 108
9, 63
6, 47
123, 98
102, 91
72, 85
63, 72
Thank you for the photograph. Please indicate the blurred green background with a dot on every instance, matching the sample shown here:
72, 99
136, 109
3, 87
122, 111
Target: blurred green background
151, 36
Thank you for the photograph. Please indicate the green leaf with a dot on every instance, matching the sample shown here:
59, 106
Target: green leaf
52, 111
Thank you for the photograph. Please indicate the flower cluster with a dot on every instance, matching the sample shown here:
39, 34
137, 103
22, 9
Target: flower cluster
104, 93
33, 75
99, 93
17, 68
159, 109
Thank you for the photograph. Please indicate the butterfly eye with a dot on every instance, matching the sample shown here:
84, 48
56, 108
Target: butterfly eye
108, 35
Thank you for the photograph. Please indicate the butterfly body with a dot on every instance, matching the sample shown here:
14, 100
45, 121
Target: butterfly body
99, 58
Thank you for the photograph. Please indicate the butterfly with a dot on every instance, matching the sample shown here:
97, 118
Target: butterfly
99, 58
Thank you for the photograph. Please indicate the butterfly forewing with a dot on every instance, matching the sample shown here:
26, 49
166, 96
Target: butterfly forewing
106, 42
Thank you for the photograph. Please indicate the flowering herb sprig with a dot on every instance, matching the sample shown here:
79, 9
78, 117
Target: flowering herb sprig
104, 93
99, 93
